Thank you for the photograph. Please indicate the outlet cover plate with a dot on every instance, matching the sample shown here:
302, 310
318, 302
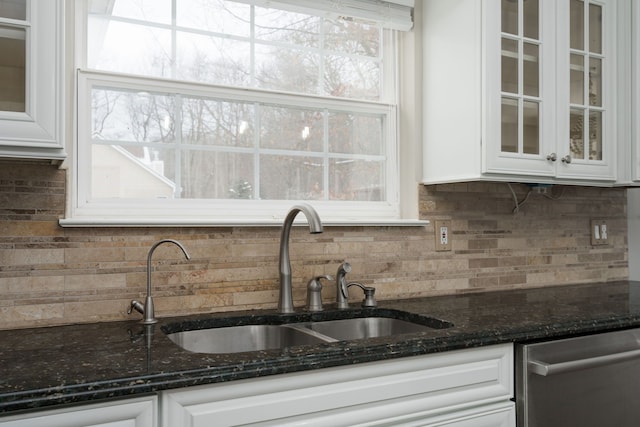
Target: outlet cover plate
443, 235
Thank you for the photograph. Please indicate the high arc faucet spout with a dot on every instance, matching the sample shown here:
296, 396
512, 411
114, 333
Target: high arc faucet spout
150, 255
285, 300
147, 309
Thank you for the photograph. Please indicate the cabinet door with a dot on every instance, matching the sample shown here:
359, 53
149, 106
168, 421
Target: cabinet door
587, 45
31, 61
519, 70
415, 391
136, 412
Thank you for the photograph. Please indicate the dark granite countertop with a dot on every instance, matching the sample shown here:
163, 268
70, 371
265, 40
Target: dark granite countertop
42, 367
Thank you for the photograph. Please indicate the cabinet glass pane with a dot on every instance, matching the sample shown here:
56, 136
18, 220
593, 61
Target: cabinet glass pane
531, 75
12, 69
510, 16
509, 141
576, 133
13, 9
509, 65
531, 18
595, 82
576, 24
531, 126
576, 76
595, 28
595, 135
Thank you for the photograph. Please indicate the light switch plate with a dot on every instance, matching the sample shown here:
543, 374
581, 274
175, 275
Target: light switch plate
599, 232
443, 235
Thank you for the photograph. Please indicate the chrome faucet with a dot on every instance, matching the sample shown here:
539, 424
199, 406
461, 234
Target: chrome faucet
342, 291
285, 301
147, 309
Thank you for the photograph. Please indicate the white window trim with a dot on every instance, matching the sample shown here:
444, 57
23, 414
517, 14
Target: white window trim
402, 211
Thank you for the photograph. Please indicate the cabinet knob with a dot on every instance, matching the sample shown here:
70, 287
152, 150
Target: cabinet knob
552, 157
566, 159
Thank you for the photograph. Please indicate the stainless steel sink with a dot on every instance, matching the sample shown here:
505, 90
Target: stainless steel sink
269, 334
365, 327
237, 339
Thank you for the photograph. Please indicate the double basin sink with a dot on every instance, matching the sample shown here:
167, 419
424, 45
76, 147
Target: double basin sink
244, 334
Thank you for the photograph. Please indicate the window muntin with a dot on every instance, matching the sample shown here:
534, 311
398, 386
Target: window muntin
238, 128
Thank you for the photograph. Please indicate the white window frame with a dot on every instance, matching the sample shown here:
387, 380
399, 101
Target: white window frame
225, 212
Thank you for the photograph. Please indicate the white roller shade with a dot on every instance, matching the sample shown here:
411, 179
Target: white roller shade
393, 14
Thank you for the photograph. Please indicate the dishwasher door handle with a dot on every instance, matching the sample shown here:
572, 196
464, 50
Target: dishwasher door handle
546, 369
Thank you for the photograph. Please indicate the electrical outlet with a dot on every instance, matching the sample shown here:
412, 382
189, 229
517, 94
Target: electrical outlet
599, 232
443, 235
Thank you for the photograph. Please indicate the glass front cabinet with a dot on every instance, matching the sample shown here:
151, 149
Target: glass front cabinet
538, 82
31, 60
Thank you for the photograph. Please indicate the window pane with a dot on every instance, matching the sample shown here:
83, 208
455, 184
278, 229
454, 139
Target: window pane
13, 9
595, 135
531, 19
509, 66
287, 27
120, 115
129, 48
217, 123
531, 128
531, 75
291, 129
291, 178
12, 69
595, 28
217, 175
595, 81
510, 17
352, 77
352, 37
351, 133
291, 70
356, 180
509, 125
144, 10
217, 16
208, 59
576, 76
576, 133
119, 172
576, 24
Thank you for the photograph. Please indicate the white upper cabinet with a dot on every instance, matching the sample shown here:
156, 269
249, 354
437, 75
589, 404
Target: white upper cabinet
631, 163
520, 90
31, 76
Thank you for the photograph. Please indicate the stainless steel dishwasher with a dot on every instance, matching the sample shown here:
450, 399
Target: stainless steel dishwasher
590, 381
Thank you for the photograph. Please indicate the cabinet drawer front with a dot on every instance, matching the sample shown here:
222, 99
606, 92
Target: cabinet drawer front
425, 384
136, 412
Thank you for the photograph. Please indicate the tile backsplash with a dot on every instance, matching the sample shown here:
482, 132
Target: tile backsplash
51, 275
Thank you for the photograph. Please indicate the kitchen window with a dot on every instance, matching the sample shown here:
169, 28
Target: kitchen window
228, 112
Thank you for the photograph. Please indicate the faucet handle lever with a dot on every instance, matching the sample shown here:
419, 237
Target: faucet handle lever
137, 306
314, 293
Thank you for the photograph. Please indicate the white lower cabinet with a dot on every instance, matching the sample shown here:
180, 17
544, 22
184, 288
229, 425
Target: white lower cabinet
135, 412
464, 388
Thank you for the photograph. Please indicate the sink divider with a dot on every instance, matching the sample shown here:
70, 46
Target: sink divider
302, 327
